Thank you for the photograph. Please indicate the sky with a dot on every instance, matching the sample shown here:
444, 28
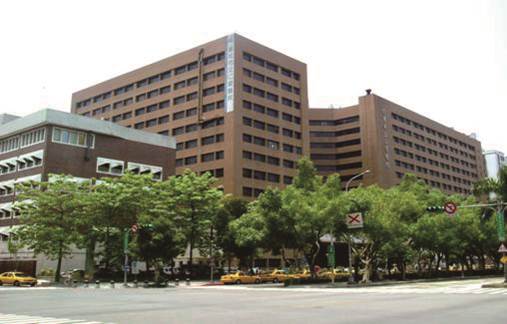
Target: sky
444, 59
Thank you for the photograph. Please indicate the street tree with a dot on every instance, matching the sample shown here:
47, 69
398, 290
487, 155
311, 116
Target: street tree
49, 217
195, 204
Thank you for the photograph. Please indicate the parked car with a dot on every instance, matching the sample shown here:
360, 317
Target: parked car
17, 279
306, 274
276, 276
338, 273
239, 277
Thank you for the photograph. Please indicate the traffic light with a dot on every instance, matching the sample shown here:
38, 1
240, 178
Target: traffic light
435, 209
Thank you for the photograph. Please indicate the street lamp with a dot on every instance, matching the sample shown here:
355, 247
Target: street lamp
351, 279
355, 177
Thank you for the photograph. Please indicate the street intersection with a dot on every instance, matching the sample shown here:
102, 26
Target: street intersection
462, 301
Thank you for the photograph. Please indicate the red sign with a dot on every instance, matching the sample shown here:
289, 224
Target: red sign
450, 208
354, 220
134, 228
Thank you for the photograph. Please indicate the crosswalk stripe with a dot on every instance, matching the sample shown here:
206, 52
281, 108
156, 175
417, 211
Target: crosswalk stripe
25, 319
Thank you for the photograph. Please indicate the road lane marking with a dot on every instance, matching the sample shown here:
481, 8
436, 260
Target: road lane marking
26, 319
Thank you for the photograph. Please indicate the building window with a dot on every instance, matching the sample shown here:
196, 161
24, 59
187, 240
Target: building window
72, 137
179, 85
190, 160
164, 104
109, 166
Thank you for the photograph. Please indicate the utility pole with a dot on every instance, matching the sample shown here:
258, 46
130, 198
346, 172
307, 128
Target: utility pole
351, 278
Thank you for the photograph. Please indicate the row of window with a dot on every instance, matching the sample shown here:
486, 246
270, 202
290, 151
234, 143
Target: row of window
207, 157
73, 137
272, 82
270, 66
22, 162
270, 127
117, 168
335, 122
343, 132
252, 192
439, 185
336, 156
271, 144
339, 167
193, 127
335, 144
152, 79
432, 141
432, 131
272, 160
217, 173
207, 140
265, 176
436, 154
8, 187
24, 140
271, 112
270, 96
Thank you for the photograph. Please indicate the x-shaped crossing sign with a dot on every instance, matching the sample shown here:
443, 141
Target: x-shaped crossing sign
354, 220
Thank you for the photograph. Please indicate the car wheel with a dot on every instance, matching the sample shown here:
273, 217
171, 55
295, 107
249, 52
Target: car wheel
16, 283
33, 284
276, 280
238, 282
257, 281
1, 283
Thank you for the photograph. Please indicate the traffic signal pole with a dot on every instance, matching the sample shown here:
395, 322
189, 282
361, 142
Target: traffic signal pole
499, 209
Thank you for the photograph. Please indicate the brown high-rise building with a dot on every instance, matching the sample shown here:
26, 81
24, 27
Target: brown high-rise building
235, 107
240, 110
390, 141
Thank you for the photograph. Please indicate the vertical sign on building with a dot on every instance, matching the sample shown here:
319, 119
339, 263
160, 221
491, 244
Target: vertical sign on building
229, 74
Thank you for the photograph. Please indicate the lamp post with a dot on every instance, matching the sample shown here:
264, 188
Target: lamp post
351, 278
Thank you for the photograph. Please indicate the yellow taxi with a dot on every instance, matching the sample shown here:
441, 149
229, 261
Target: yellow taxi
17, 279
336, 273
239, 277
306, 274
275, 276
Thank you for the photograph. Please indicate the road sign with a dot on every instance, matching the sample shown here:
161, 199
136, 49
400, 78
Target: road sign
134, 228
450, 208
504, 259
502, 249
135, 267
354, 220
126, 268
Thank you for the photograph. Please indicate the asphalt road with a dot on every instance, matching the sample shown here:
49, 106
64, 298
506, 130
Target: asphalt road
408, 304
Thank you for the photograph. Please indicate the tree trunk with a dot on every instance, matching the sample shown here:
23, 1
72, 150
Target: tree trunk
59, 264
90, 259
439, 258
367, 270
482, 262
403, 270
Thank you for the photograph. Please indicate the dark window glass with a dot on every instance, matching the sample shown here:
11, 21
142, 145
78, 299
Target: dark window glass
273, 160
178, 115
151, 123
140, 111
164, 104
191, 112
207, 157
208, 107
272, 112
191, 160
273, 177
179, 130
163, 119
